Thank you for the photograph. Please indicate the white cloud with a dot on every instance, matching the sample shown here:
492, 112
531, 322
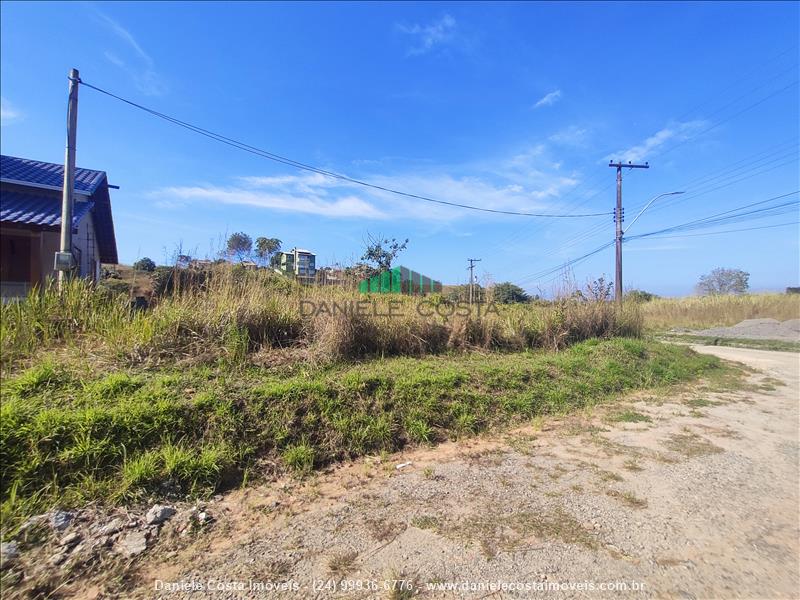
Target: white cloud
140, 67
527, 181
114, 59
431, 36
289, 193
8, 112
571, 136
673, 131
125, 35
548, 99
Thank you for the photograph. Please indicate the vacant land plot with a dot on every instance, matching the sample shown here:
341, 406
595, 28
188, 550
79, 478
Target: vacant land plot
676, 502
702, 312
687, 493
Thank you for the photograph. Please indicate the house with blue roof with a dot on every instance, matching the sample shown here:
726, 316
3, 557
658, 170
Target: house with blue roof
30, 223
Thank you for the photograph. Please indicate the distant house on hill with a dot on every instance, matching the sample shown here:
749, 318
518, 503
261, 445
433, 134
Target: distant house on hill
298, 262
30, 223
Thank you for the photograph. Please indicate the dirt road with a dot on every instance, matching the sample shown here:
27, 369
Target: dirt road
689, 496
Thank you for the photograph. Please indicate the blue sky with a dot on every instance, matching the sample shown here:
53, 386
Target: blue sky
506, 106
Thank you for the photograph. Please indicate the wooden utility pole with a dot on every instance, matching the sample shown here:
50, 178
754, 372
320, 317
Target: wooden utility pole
618, 218
472, 262
64, 258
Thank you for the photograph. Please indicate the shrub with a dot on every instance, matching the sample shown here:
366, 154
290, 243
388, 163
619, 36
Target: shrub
639, 296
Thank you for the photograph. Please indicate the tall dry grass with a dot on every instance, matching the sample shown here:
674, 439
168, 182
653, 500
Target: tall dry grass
233, 314
718, 311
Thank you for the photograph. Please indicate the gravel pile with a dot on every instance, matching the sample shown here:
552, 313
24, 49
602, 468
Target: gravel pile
759, 329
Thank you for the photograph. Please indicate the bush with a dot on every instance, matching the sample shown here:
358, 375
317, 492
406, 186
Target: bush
640, 296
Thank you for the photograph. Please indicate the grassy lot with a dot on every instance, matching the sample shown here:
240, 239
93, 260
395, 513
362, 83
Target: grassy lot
227, 378
69, 434
701, 312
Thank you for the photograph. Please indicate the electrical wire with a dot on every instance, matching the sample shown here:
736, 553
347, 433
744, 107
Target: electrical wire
659, 237
303, 166
728, 216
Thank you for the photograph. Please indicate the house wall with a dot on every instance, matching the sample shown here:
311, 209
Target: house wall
86, 241
50, 242
39, 248
85, 248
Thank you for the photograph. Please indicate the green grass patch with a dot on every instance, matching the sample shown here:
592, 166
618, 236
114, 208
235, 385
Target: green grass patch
629, 416
68, 436
778, 345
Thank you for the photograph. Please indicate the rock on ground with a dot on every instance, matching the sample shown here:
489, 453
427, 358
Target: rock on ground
158, 514
134, 543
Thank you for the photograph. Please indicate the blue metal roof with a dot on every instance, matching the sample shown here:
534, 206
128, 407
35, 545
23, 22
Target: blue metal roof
34, 172
39, 210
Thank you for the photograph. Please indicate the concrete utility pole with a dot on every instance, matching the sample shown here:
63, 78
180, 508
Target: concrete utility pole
472, 262
618, 218
64, 259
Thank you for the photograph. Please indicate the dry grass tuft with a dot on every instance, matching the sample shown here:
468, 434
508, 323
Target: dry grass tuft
341, 563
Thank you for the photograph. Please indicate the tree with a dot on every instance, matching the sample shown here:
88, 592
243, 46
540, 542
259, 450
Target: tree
265, 248
724, 281
508, 293
383, 251
145, 264
240, 245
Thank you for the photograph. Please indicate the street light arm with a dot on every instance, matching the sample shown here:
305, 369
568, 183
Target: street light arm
646, 206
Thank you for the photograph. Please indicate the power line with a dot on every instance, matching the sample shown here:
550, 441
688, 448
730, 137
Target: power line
727, 181
702, 180
748, 74
303, 166
727, 216
709, 221
545, 272
725, 120
660, 237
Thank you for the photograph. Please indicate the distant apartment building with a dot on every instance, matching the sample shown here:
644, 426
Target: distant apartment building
300, 263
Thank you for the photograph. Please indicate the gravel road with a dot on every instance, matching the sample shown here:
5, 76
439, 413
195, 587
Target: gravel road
689, 496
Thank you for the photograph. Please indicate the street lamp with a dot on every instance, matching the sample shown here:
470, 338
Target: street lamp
646, 206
